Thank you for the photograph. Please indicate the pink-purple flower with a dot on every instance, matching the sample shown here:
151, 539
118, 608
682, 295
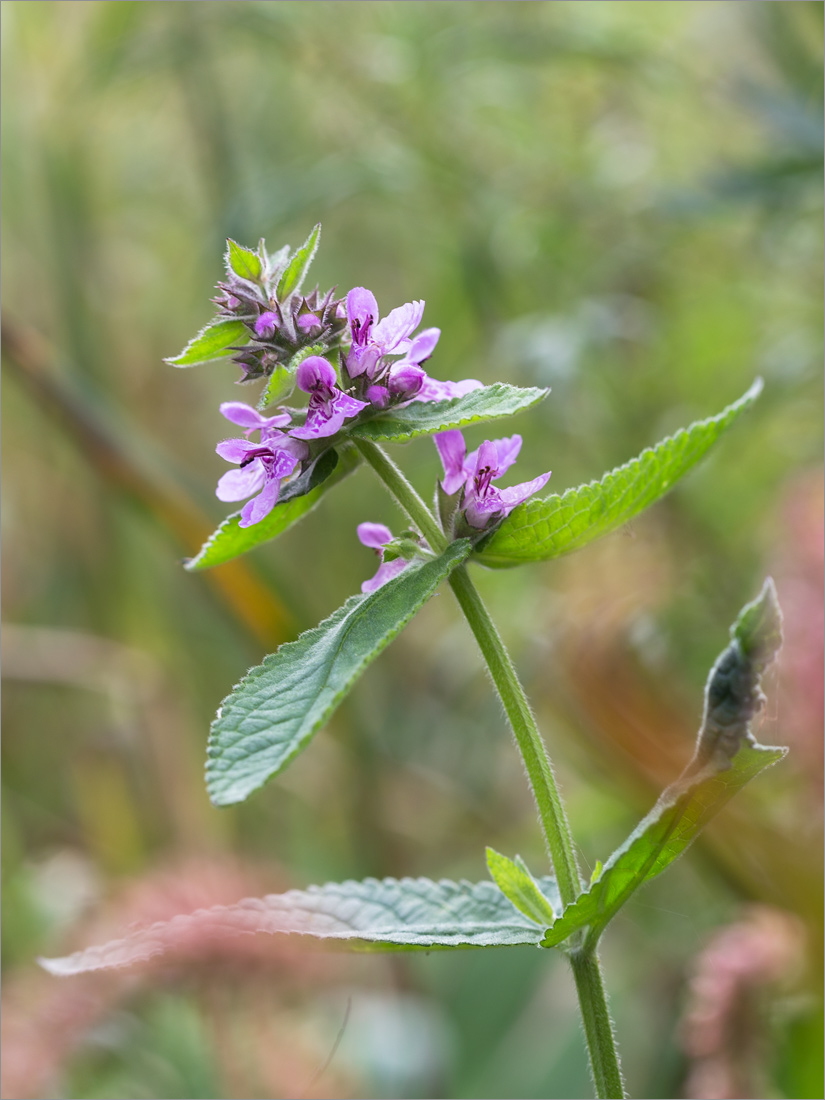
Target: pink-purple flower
374, 340
377, 536
482, 502
328, 406
262, 466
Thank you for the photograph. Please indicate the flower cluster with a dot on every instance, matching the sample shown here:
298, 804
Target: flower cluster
277, 328
379, 365
380, 368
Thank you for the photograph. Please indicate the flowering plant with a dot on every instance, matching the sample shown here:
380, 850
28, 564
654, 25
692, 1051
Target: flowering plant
366, 385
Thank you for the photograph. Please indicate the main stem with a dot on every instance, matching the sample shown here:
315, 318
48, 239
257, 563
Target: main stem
586, 971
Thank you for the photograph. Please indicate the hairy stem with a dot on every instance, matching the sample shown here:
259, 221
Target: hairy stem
598, 1027
592, 1000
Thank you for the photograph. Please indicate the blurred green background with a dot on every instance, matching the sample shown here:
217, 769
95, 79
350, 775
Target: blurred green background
619, 200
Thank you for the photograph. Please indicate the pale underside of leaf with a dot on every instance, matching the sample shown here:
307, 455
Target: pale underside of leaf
430, 417
378, 915
230, 540
270, 716
539, 530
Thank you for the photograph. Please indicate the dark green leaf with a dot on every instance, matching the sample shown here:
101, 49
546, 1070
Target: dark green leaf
429, 417
295, 271
726, 758
243, 261
211, 343
542, 529
516, 883
273, 712
377, 914
297, 499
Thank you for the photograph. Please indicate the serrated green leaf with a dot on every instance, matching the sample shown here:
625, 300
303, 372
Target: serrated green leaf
298, 499
212, 342
243, 261
429, 417
279, 387
516, 883
270, 716
374, 915
539, 530
726, 758
662, 836
295, 271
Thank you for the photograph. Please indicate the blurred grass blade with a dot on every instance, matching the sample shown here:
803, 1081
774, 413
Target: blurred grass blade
376, 914
542, 529
212, 342
103, 440
271, 715
518, 885
726, 758
231, 540
297, 268
429, 417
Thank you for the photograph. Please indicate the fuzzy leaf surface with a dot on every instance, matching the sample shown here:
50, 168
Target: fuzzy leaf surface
516, 883
376, 914
429, 417
726, 758
297, 268
243, 261
230, 540
271, 715
212, 342
538, 530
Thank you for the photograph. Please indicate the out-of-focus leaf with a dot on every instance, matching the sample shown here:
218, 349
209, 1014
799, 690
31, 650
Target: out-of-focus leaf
243, 261
298, 498
270, 716
212, 342
376, 914
516, 883
726, 758
542, 529
295, 271
428, 417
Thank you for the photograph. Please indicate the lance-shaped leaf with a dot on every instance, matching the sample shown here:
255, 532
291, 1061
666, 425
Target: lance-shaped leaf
542, 529
429, 417
376, 914
516, 883
213, 342
298, 498
243, 261
298, 266
726, 758
270, 716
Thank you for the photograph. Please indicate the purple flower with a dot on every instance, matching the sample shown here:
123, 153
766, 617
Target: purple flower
372, 338
476, 472
433, 390
376, 536
266, 324
328, 405
262, 467
247, 417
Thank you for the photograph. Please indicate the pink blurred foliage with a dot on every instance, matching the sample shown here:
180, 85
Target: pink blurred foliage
723, 1026
45, 1019
800, 561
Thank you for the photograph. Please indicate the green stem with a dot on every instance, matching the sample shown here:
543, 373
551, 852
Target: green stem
531, 746
404, 493
597, 1025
